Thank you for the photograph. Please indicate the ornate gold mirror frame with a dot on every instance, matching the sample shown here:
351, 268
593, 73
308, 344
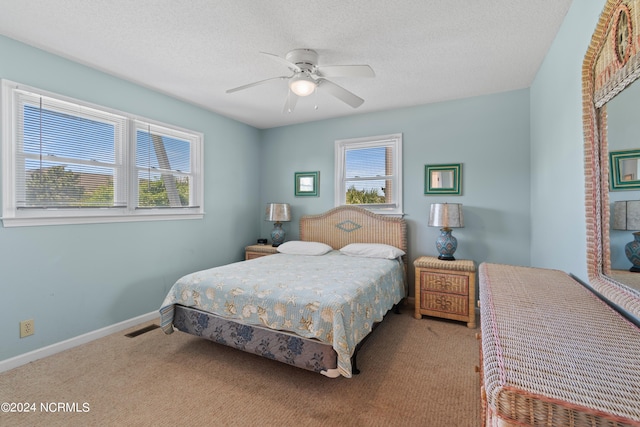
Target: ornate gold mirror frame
611, 63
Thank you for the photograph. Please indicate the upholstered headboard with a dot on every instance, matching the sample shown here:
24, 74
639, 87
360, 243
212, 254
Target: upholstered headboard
350, 224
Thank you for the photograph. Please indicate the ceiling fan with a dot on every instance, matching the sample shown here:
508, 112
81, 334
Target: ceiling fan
308, 76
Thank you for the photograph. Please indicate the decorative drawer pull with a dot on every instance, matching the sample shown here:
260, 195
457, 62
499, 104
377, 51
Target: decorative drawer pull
442, 282
444, 302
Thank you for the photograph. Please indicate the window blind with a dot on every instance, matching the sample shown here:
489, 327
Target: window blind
368, 172
67, 161
67, 154
163, 163
369, 175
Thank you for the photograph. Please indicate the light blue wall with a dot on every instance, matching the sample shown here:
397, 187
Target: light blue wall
523, 189
489, 135
79, 278
558, 227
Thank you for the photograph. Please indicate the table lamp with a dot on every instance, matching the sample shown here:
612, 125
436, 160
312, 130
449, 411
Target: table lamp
278, 212
447, 216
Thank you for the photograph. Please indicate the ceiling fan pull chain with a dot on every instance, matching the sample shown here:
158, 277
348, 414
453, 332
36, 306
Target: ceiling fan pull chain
315, 94
288, 103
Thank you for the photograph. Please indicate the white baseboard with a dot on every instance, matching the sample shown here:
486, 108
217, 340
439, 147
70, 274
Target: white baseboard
49, 350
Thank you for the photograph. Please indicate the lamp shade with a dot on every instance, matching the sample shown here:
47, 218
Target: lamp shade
278, 212
626, 215
446, 215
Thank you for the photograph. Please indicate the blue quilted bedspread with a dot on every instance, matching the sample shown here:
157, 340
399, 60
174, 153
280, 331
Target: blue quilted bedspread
333, 298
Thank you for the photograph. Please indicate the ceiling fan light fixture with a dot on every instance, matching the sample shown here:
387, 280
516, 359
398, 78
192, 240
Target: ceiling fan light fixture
302, 86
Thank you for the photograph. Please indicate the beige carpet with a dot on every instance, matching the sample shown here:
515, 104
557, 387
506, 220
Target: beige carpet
413, 373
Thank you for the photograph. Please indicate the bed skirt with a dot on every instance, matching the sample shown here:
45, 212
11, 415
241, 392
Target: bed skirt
277, 345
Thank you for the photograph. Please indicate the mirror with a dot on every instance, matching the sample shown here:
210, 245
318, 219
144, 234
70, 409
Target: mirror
624, 165
442, 179
623, 137
611, 65
306, 184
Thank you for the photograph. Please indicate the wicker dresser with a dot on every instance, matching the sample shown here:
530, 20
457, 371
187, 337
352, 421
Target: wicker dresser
553, 354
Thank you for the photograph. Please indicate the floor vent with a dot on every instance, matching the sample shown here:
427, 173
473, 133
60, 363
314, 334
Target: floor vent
142, 331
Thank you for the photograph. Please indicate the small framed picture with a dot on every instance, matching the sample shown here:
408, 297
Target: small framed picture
623, 170
306, 184
443, 179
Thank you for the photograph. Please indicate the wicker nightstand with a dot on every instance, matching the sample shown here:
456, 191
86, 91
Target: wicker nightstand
445, 289
256, 251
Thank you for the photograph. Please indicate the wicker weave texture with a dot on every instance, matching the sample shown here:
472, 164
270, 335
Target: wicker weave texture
445, 303
265, 249
433, 262
443, 282
553, 353
349, 224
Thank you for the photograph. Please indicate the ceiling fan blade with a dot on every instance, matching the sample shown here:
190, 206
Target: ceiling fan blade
346, 71
247, 86
293, 67
341, 93
290, 104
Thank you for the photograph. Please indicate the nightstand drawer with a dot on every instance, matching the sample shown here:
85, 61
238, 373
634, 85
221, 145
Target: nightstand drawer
257, 251
445, 303
442, 282
252, 255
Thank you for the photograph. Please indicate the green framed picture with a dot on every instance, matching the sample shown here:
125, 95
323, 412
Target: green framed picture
624, 170
307, 184
443, 179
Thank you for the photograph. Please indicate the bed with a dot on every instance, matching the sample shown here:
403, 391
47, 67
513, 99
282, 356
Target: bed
307, 307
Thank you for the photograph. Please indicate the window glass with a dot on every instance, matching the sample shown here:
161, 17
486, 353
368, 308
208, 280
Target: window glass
363, 162
368, 173
66, 161
163, 164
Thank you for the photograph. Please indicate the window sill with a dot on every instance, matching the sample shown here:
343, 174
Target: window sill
61, 220
384, 212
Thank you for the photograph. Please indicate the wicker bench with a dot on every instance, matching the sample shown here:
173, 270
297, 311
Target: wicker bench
553, 354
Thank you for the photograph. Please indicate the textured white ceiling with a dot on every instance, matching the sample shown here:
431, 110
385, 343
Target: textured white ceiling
422, 51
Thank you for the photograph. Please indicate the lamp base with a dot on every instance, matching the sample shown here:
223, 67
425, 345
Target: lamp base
277, 234
446, 244
632, 251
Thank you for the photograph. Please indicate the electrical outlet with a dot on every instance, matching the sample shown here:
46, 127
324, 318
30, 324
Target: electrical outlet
26, 328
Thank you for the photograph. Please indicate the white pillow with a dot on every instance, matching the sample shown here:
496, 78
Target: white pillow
299, 247
372, 250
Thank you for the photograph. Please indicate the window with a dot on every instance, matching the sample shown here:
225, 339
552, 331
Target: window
369, 173
66, 161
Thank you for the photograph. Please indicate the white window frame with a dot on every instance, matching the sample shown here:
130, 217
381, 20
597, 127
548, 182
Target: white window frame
12, 216
343, 145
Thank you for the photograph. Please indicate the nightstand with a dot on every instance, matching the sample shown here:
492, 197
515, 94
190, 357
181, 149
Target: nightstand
627, 277
256, 251
445, 289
